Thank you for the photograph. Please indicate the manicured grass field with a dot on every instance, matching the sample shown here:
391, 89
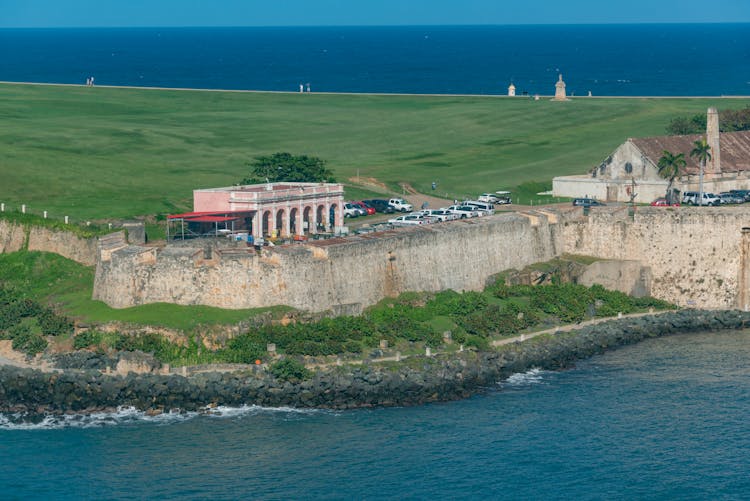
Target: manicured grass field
95, 153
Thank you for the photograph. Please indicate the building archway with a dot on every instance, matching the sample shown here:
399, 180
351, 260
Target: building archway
266, 223
279, 226
306, 222
293, 216
320, 220
332, 216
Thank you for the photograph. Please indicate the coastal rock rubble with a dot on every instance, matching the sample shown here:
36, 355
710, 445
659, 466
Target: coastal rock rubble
413, 381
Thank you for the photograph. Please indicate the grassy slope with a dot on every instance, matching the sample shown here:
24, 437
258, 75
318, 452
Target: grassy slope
95, 152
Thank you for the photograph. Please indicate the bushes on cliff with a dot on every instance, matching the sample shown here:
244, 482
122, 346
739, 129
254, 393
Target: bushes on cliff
53, 324
289, 369
28, 341
87, 339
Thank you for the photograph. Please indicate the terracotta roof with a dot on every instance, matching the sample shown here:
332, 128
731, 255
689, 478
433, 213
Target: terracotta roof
735, 150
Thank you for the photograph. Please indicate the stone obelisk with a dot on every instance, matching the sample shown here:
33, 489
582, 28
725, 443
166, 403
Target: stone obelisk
560, 90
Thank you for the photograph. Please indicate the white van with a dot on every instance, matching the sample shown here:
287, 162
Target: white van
485, 208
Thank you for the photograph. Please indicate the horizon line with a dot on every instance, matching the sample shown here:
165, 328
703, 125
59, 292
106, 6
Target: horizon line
431, 25
383, 94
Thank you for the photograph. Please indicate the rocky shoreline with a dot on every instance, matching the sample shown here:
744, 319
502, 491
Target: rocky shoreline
413, 381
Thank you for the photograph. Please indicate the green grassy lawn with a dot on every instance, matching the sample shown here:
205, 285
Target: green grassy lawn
50, 278
94, 153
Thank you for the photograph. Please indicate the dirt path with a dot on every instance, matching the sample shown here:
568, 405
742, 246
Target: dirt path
567, 328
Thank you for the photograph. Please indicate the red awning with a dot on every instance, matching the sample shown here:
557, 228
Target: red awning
193, 216
210, 219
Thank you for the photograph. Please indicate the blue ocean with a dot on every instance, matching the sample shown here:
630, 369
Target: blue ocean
615, 60
664, 419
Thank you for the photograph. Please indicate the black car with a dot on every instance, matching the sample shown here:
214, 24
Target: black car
380, 205
587, 202
744, 194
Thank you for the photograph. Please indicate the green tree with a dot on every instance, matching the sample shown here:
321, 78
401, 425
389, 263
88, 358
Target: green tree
288, 167
681, 126
701, 151
670, 166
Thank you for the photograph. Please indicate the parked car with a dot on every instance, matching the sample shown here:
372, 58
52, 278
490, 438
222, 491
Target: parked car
380, 205
745, 194
409, 220
485, 208
662, 202
489, 198
587, 202
463, 211
362, 205
400, 205
351, 210
692, 197
442, 215
730, 198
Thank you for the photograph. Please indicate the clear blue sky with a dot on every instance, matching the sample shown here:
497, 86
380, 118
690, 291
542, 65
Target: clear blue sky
87, 13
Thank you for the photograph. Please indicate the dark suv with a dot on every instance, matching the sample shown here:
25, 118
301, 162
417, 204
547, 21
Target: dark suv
380, 205
587, 202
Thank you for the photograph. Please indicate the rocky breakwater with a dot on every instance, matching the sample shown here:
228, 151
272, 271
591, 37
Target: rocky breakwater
412, 381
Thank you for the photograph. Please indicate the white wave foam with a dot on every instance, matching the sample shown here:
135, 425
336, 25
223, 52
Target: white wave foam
222, 411
130, 415
533, 376
123, 415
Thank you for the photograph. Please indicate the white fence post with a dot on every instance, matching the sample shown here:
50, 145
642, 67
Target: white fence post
23, 209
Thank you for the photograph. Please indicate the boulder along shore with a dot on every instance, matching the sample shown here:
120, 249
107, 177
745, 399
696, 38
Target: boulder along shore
413, 381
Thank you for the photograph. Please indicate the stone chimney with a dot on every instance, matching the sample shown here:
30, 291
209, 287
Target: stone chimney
712, 138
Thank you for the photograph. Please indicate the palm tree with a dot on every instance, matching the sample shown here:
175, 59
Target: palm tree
702, 152
670, 166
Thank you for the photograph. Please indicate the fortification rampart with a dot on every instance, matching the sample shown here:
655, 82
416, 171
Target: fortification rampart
693, 253
688, 256
343, 275
17, 236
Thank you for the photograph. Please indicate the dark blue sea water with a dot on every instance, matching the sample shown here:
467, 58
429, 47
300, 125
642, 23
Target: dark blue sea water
620, 60
665, 419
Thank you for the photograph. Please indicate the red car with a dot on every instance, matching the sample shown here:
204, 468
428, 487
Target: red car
364, 206
662, 202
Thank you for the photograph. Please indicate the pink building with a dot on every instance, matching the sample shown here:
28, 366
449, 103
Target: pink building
282, 209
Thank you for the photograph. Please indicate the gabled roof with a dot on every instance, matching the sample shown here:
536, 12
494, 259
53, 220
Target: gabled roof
735, 150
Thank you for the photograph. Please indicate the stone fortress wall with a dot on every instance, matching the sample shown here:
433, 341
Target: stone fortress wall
343, 275
16, 236
693, 257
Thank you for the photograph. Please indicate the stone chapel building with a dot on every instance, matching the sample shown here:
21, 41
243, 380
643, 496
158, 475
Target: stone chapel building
632, 167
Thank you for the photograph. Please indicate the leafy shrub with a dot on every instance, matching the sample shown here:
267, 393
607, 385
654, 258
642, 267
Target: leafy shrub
87, 338
289, 369
27, 341
53, 324
243, 349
